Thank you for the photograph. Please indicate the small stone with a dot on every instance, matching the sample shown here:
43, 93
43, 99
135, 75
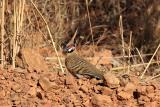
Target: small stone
34, 76
61, 74
82, 95
150, 89
97, 89
69, 80
33, 59
144, 99
130, 87
156, 85
80, 82
48, 104
134, 80
53, 77
45, 83
2, 78
16, 87
14, 96
151, 104
28, 76
111, 80
124, 95
157, 98
30, 69
84, 88
2, 93
77, 103
70, 104
32, 83
87, 103
119, 89
95, 81
32, 91
40, 95
17, 102
142, 89
101, 100
151, 95
107, 91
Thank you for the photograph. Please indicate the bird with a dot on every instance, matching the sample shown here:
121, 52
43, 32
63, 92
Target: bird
77, 65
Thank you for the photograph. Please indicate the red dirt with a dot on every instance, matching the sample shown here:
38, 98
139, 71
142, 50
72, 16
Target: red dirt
50, 89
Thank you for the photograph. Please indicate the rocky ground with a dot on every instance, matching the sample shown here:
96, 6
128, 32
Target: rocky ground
38, 86
31, 88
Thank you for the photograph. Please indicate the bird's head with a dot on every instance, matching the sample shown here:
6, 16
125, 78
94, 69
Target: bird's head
68, 48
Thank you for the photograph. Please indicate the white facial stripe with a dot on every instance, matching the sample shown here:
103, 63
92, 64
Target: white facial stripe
71, 49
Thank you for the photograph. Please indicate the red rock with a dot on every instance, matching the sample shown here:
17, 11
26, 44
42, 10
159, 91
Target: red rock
151, 104
83, 95
14, 96
2, 77
130, 87
142, 89
97, 89
69, 80
135, 80
50, 95
95, 81
107, 91
84, 88
16, 87
53, 77
124, 95
151, 95
28, 76
120, 89
114, 97
80, 82
47, 104
111, 80
87, 103
71, 83
33, 59
32, 91
2, 93
68, 105
150, 89
156, 85
45, 83
144, 99
101, 100
77, 103
32, 83
61, 74
40, 94
34, 76
17, 102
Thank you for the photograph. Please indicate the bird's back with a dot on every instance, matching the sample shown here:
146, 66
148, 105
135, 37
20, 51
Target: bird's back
76, 65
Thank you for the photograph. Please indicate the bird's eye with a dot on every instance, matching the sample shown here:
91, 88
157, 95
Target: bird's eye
71, 49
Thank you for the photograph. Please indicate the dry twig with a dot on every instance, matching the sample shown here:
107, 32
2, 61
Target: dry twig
53, 43
133, 66
2, 33
150, 61
89, 19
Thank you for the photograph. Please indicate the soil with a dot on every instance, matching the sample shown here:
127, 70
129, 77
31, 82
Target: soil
30, 88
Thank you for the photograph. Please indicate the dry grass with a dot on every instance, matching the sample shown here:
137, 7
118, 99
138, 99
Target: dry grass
2, 33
